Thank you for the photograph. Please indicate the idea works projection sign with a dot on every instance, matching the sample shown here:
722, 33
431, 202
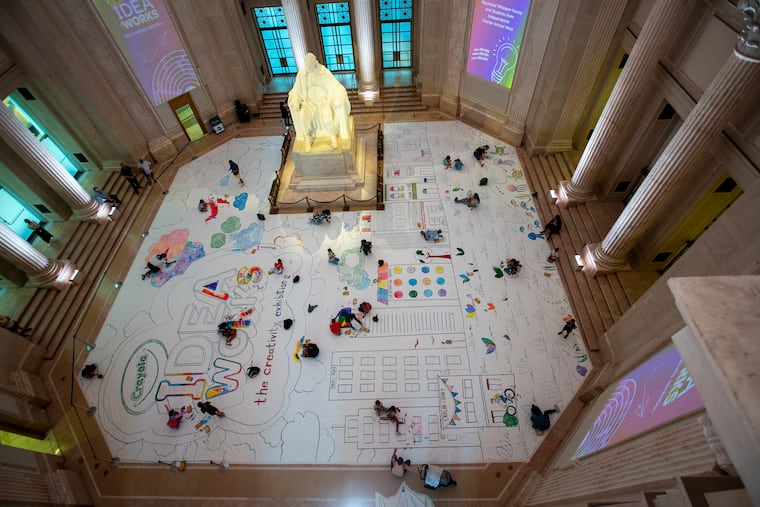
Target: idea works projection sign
147, 38
495, 38
657, 392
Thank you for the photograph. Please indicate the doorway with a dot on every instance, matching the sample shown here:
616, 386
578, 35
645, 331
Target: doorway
703, 214
188, 116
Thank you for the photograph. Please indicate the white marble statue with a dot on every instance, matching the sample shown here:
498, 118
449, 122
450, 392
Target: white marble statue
318, 104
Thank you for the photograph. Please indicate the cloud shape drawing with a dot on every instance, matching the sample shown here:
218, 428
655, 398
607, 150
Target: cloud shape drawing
247, 238
240, 201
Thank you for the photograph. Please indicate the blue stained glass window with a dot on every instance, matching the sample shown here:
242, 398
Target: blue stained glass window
396, 33
335, 27
276, 40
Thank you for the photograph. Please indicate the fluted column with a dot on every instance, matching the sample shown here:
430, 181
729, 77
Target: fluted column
599, 38
639, 69
42, 272
738, 77
537, 33
455, 57
295, 30
84, 206
365, 46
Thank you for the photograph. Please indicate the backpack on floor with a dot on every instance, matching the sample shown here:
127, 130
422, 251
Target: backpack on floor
483, 182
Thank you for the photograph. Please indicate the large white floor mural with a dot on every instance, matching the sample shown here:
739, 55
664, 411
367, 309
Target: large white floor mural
460, 348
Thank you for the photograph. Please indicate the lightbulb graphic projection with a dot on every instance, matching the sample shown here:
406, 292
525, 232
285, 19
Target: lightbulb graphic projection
496, 35
506, 60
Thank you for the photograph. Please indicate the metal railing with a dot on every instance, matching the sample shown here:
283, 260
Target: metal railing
275, 205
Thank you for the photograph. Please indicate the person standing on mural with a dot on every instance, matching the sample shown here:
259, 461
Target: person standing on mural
235, 170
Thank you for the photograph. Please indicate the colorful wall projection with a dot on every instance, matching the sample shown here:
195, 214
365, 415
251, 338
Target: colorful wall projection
495, 38
657, 392
146, 36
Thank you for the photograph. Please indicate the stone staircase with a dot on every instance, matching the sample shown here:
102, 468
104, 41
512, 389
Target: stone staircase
56, 315
394, 99
597, 303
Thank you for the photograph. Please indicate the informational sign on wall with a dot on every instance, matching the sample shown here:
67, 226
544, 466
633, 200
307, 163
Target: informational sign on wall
657, 392
495, 38
148, 40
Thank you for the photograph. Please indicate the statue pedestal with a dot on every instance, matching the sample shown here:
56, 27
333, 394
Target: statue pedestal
327, 168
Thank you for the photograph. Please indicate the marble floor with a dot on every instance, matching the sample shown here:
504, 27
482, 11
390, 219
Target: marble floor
462, 349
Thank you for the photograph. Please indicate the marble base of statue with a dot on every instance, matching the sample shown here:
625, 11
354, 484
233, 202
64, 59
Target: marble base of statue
323, 167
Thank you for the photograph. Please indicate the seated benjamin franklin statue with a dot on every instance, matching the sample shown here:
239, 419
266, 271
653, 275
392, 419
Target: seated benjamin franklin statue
318, 104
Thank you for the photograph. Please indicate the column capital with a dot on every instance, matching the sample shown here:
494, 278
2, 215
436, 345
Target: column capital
569, 195
597, 262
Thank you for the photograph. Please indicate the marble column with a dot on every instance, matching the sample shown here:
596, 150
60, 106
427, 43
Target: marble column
657, 31
42, 272
537, 33
455, 58
84, 206
739, 77
602, 32
365, 46
295, 30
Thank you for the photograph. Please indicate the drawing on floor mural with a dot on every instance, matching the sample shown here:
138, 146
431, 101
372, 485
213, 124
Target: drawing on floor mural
462, 349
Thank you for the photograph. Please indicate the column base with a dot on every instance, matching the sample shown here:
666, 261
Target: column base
513, 132
58, 275
596, 262
369, 93
569, 195
95, 212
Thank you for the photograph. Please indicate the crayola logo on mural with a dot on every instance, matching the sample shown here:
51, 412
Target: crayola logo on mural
134, 13
138, 392
140, 376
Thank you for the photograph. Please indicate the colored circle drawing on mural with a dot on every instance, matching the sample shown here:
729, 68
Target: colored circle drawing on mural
398, 294
428, 293
426, 269
412, 282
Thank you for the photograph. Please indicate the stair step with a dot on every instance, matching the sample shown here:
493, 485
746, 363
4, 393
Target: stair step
597, 303
536, 175
54, 315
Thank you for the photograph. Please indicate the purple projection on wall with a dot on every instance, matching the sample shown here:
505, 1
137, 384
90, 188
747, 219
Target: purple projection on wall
495, 38
146, 36
657, 392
